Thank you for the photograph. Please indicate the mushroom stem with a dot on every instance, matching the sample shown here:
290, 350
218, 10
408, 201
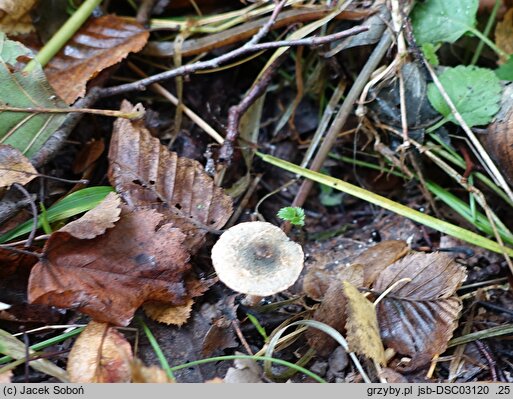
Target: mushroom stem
251, 300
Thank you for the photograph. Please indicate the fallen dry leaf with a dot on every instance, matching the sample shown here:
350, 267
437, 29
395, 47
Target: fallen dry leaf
379, 257
99, 44
417, 318
152, 374
14, 167
96, 221
15, 17
324, 261
100, 354
88, 155
5, 377
362, 325
169, 314
245, 371
146, 174
110, 276
504, 32
332, 310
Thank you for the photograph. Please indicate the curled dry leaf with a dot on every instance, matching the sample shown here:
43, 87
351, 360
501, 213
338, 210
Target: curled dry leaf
418, 318
100, 354
99, 44
169, 314
499, 138
96, 221
15, 17
503, 33
110, 276
245, 371
14, 167
144, 374
5, 377
146, 174
379, 257
332, 310
362, 325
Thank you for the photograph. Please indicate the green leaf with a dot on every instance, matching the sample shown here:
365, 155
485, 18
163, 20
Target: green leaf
436, 21
26, 131
258, 326
475, 92
294, 215
75, 203
429, 51
505, 71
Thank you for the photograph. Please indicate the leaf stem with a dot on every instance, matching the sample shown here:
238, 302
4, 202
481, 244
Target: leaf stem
156, 348
488, 42
486, 32
259, 358
65, 33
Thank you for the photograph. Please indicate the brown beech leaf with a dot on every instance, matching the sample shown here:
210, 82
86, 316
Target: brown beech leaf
14, 167
379, 257
96, 221
145, 173
362, 325
100, 354
99, 44
110, 276
332, 309
417, 318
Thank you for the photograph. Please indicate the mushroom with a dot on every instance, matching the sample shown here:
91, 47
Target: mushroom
258, 259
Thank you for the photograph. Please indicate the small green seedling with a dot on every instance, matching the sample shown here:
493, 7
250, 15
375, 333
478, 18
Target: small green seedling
294, 215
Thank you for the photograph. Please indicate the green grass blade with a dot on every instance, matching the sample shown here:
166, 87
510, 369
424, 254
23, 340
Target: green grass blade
393, 206
75, 203
257, 358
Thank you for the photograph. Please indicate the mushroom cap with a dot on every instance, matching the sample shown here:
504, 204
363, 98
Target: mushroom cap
257, 258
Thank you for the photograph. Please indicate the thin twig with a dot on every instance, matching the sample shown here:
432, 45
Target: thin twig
42, 110
217, 61
343, 114
144, 11
237, 111
27, 195
190, 113
21, 251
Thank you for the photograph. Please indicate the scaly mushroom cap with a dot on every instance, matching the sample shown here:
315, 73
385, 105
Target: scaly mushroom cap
257, 258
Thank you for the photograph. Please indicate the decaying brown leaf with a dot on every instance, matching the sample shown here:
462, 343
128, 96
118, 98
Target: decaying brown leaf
417, 318
504, 32
110, 276
14, 167
152, 374
146, 174
379, 257
100, 354
332, 310
362, 325
99, 44
324, 261
245, 371
15, 17
96, 221
169, 314
5, 377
